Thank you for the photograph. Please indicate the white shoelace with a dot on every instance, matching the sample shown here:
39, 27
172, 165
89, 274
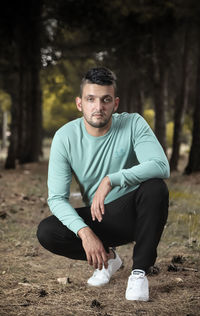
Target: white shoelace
134, 277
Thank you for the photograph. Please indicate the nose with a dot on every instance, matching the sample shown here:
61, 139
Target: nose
98, 104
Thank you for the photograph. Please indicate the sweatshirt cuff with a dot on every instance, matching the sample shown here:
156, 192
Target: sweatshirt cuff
115, 179
76, 225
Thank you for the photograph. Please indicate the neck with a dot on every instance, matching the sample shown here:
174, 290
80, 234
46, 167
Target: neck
97, 131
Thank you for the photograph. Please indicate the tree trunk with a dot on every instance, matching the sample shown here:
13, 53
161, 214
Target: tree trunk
160, 79
140, 100
4, 128
123, 88
181, 104
26, 128
194, 156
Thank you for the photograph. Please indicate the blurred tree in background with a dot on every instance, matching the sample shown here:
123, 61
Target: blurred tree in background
153, 46
20, 61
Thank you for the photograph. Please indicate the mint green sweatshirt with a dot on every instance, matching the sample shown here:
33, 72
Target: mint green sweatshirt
129, 153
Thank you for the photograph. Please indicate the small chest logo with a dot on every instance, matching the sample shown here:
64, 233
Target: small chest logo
119, 153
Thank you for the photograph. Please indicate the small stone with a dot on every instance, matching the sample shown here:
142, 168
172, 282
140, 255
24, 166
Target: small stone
178, 280
26, 172
62, 280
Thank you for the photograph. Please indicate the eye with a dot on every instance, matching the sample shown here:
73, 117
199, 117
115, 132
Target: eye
90, 98
107, 99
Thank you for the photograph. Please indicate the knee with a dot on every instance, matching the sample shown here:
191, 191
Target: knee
154, 199
155, 189
43, 233
155, 192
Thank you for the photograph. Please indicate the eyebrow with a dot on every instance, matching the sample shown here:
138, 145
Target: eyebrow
104, 96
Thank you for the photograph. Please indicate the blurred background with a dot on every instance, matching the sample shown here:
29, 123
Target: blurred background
46, 47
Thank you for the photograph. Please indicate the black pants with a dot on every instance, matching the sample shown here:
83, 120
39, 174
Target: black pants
138, 216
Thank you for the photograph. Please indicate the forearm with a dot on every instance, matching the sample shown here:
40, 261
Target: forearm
140, 173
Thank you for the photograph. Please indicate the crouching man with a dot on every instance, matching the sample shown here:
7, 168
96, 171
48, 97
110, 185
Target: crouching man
119, 165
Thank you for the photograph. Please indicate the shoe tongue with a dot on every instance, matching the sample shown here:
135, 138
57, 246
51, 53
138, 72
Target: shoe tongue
138, 272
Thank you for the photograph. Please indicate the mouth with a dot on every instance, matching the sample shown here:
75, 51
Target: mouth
98, 115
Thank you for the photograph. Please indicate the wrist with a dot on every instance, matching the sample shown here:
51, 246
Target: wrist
107, 180
84, 232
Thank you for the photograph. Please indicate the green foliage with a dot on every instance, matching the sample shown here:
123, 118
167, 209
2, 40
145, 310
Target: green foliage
170, 133
5, 101
185, 137
188, 124
5, 105
149, 116
187, 134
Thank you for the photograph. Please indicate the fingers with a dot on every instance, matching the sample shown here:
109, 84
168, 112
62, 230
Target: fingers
89, 258
97, 207
97, 210
94, 248
105, 260
98, 260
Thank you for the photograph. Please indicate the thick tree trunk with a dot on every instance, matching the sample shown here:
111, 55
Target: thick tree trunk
181, 102
123, 88
130, 87
194, 156
26, 128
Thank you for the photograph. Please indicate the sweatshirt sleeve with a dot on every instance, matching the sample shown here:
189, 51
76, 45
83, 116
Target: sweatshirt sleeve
152, 161
59, 180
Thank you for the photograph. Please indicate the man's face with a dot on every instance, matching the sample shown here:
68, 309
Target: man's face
97, 104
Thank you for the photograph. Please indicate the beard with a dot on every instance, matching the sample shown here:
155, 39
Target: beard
102, 120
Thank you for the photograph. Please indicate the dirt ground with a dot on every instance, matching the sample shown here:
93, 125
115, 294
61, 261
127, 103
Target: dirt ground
29, 273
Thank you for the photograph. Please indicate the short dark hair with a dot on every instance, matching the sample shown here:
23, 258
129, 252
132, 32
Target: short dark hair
101, 76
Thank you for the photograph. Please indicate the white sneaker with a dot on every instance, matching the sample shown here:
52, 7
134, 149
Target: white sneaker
102, 277
137, 287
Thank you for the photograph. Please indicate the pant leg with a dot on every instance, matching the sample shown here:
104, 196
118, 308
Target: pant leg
115, 229
58, 239
139, 215
151, 214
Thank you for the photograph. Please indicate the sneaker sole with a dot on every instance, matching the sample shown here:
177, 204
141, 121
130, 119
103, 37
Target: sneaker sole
138, 299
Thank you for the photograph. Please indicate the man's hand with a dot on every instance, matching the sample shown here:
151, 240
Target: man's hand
94, 249
97, 207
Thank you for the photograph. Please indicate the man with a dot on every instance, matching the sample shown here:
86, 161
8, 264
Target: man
119, 165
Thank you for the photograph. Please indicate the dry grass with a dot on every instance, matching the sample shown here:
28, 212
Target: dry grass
28, 273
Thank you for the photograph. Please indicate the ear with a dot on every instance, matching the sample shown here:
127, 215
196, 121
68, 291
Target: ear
79, 104
116, 104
